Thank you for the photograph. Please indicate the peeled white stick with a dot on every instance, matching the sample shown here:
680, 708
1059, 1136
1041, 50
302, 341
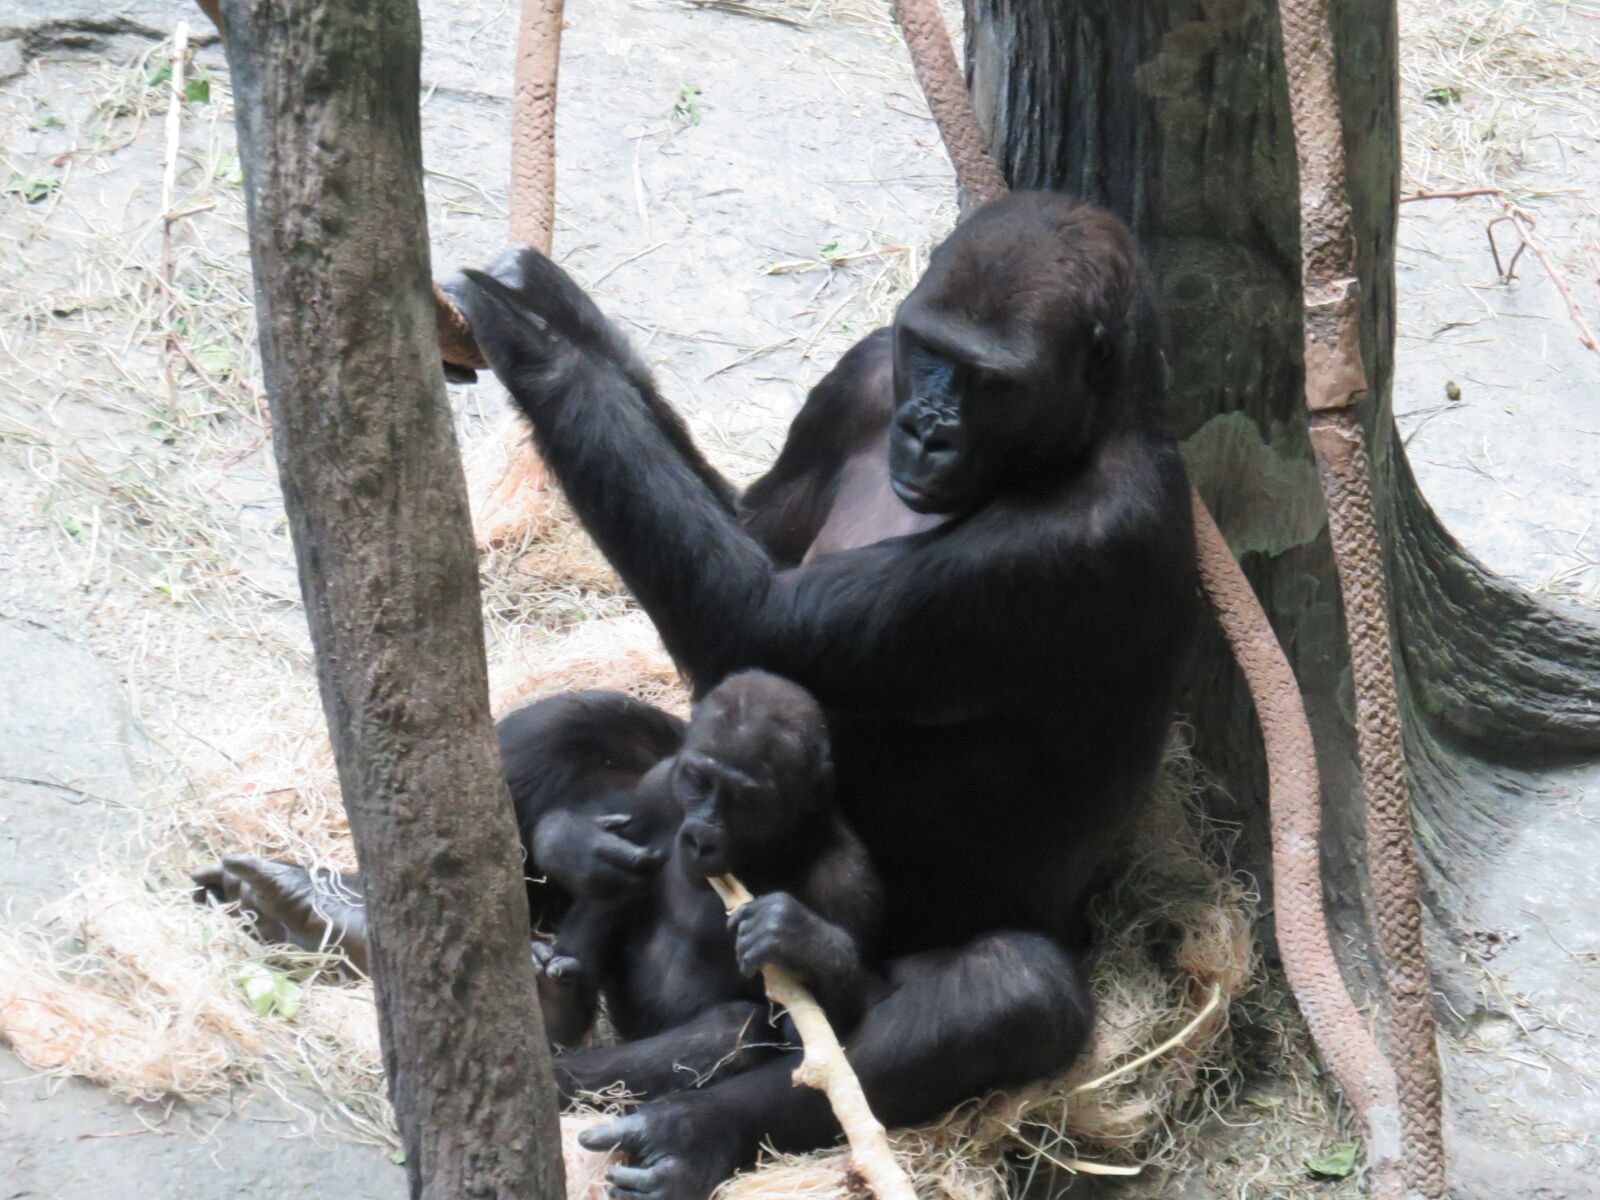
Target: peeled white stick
825, 1068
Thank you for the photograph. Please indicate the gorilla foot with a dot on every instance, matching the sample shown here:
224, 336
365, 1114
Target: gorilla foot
567, 995
676, 1149
288, 903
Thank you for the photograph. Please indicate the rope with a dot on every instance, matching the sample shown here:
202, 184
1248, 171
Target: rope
1335, 385
533, 124
934, 60
1333, 365
532, 194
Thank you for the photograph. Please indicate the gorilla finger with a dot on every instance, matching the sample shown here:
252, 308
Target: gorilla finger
247, 867
615, 822
642, 1183
634, 1179
628, 856
752, 956
210, 884
563, 966
625, 1134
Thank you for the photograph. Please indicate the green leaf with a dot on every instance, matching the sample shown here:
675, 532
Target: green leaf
173, 589
1338, 1163
229, 169
688, 105
269, 993
829, 250
71, 524
32, 188
398, 1157
216, 359
198, 89
160, 75
1442, 95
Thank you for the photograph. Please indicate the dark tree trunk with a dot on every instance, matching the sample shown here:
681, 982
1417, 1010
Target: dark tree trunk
326, 94
1174, 113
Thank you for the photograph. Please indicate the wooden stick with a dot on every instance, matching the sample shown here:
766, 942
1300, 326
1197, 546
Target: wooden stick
1464, 194
1524, 226
825, 1068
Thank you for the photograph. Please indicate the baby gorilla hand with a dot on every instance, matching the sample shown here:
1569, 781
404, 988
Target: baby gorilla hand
777, 930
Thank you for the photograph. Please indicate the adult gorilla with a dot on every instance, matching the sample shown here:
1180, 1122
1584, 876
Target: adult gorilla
976, 552
995, 641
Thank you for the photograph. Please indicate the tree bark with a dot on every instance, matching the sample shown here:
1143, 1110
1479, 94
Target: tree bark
1174, 114
326, 104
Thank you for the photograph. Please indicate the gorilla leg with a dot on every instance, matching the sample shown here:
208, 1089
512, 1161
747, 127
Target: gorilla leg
1006, 1009
319, 910
722, 1041
572, 763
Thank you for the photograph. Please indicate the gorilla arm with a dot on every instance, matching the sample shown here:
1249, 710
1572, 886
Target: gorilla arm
941, 624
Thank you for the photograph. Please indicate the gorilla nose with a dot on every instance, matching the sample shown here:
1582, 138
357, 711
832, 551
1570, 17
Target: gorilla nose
932, 440
702, 845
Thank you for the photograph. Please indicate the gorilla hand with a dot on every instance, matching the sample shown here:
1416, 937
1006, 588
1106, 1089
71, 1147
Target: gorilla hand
593, 857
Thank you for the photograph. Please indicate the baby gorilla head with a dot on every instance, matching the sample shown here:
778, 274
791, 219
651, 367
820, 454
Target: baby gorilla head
754, 766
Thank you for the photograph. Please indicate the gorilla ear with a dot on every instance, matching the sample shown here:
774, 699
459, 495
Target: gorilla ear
827, 781
1102, 349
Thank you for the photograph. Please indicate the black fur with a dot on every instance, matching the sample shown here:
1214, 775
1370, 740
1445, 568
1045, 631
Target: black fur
748, 790
996, 650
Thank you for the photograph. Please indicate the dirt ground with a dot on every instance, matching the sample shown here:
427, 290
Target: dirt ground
750, 194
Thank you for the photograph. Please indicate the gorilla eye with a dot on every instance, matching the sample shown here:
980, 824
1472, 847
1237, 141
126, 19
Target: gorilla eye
693, 783
988, 382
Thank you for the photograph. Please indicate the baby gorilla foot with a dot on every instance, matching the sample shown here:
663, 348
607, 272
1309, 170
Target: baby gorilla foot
676, 1149
288, 904
564, 994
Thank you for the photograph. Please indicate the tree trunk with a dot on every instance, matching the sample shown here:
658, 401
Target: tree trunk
1174, 114
326, 94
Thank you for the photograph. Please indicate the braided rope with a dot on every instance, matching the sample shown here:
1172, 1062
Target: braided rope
934, 60
1391, 845
533, 124
1335, 385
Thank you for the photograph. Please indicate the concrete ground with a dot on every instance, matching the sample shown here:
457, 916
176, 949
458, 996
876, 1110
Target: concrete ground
144, 555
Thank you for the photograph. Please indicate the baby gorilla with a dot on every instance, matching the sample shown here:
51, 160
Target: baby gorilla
749, 793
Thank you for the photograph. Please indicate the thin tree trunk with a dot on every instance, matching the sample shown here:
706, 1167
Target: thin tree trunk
326, 95
1174, 113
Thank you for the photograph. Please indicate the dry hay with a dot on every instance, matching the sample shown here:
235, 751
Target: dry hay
141, 990
620, 653
134, 986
